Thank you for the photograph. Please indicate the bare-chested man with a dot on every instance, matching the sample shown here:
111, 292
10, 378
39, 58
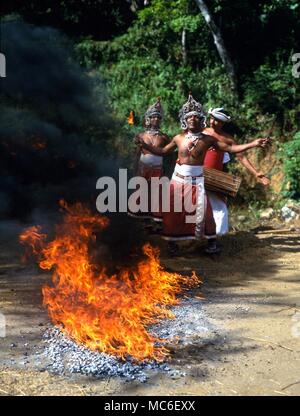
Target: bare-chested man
216, 159
187, 180
148, 164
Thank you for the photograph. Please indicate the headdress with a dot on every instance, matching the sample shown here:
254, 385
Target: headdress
191, 108
154, 110
220, 114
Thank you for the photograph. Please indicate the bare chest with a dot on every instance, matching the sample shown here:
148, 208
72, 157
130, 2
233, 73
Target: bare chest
191, 147
156, 140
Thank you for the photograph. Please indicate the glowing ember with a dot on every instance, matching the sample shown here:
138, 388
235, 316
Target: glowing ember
106, 313
72, 164
39, 145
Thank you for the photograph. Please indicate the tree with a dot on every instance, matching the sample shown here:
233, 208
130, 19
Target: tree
219, 42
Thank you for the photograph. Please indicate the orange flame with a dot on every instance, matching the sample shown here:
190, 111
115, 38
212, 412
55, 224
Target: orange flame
130, 118
106, 313
39, 144
34, 239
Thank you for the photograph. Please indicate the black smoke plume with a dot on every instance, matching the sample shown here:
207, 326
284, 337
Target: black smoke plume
56, 131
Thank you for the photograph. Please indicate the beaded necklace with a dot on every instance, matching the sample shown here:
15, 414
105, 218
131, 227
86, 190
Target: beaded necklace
192, 140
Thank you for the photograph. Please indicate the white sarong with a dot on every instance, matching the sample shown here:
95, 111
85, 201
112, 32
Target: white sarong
190, 214
220, 213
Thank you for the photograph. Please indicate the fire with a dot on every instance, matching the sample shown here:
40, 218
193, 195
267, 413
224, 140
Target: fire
130, 118
34, 239
39, 144
109, 313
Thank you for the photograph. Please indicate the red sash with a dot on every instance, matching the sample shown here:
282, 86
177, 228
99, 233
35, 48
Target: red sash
214, 159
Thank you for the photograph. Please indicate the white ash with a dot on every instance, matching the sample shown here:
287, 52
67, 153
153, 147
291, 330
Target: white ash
190, 323
66, 356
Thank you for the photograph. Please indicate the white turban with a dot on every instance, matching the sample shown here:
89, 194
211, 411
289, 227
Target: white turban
219, 114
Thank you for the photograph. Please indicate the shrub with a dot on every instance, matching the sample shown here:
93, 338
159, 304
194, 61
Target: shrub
291, 163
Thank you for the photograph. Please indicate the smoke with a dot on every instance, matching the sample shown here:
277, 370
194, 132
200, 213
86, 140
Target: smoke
56, 132
42, 74
55, 123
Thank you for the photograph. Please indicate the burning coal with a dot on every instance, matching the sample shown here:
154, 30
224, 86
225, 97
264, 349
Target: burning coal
106, 312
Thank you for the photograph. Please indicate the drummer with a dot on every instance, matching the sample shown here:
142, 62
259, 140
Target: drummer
216, 159
187, 181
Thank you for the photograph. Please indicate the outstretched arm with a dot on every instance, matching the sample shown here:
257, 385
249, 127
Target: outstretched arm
260, 177
159, 151
237, 148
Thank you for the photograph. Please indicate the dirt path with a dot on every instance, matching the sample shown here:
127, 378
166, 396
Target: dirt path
252, 296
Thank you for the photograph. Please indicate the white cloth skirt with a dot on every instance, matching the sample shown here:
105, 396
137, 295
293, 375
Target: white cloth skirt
220, 213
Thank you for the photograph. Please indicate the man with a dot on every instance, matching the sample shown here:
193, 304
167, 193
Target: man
216, 159
187, 180
147, 164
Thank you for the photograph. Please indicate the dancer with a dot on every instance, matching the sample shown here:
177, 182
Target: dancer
147, 164
188, 182
216, 159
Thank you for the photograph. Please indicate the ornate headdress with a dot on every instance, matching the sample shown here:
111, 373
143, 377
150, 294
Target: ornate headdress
220, 114
191, 108
154, 110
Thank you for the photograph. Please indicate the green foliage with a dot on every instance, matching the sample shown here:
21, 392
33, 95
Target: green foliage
172, 15
291, 163
147, 61
144, 58
273, 90
140, 56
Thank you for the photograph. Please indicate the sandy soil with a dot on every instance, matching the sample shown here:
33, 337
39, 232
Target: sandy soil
251, 293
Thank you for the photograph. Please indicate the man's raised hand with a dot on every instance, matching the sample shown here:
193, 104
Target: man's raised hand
263, 179
261, 142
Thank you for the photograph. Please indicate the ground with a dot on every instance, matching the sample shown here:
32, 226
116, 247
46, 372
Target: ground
251, 294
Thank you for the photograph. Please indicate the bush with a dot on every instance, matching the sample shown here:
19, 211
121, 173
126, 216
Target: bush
291, 163
272, 90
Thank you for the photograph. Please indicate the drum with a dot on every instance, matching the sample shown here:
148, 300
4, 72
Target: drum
222, 182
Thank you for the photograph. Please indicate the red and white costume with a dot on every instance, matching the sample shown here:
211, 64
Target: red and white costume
190, 215
216, 159
150, 166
